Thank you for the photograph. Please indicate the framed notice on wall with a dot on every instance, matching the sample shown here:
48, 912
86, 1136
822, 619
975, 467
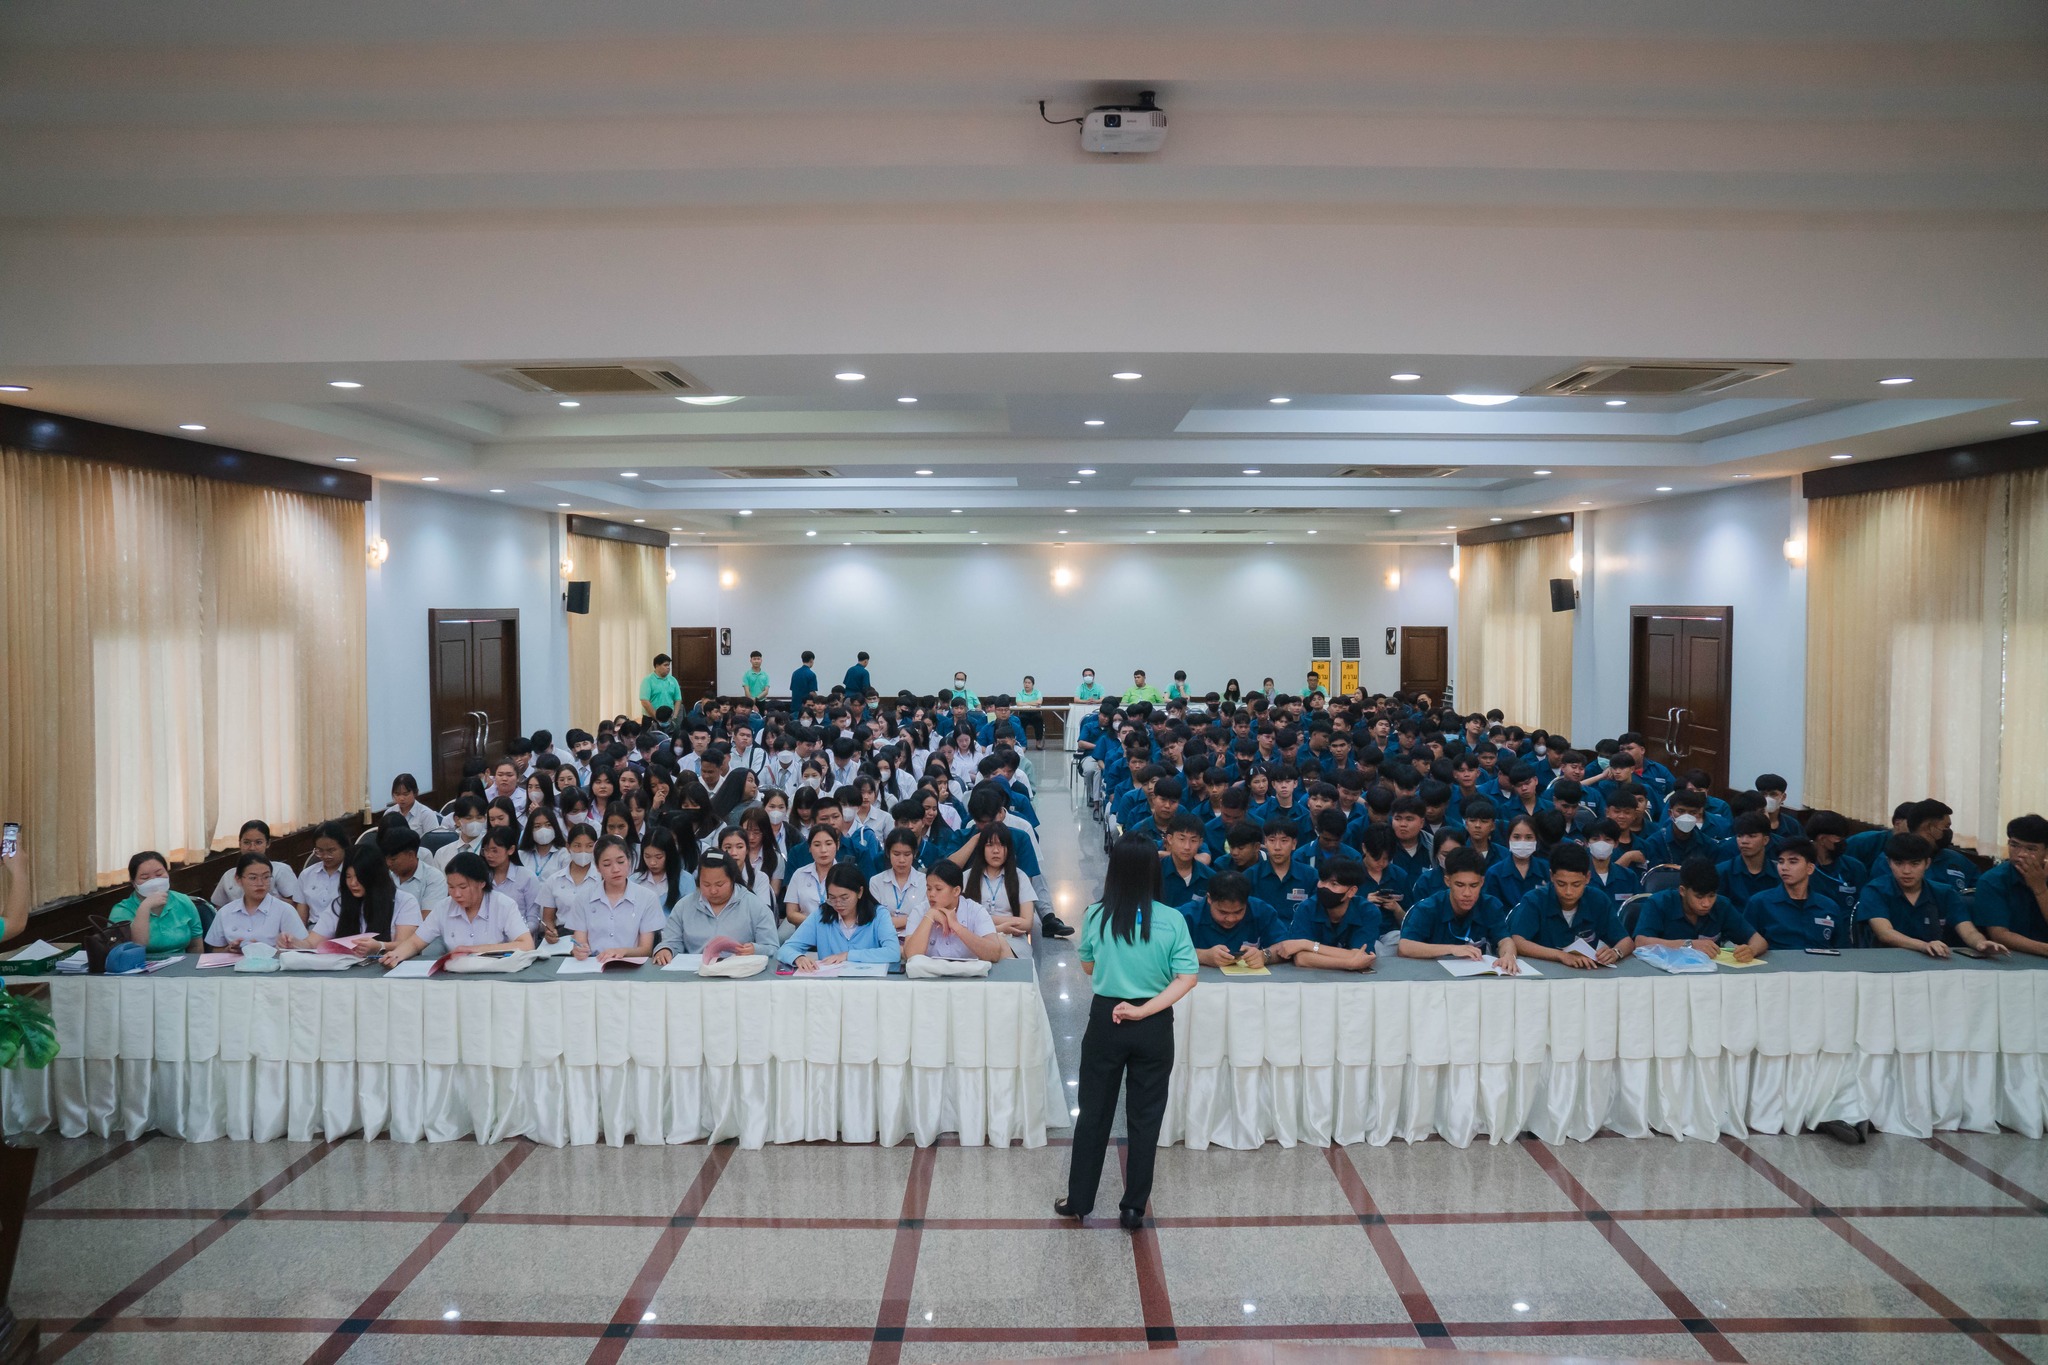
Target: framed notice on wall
725, 640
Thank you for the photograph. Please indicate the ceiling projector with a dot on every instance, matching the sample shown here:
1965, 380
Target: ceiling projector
1139, 127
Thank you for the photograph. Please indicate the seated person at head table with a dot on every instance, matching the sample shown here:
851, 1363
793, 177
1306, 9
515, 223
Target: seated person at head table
370, 903
1182, 873
1339, 930
849, 927
157, 917
1906, 908
1461, 920
476, 919
612, 918
255, 838
1567, 909
950, 925
1228, 924
2012, 898
1798, 913
1694, 914
258, 915
719, 908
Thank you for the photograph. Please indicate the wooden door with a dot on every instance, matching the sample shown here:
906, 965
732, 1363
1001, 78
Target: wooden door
1425, 659
1679, 662
695, 651
473, 688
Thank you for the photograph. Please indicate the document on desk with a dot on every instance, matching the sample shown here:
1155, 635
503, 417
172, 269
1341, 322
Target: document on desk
1484, 966
414, 969
218, 960
863, 969
591, 966
1239, 969
684, 962
1726, 958
561, 947
1586, 950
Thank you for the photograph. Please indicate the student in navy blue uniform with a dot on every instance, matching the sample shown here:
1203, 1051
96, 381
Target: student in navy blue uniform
1282, 880
1751, 869
1519, 793
1411, 840
1797, 912
1229, 924
1216, 832
803, 684
1523, 869
1285, 803
1652, 774
1240, 851
1719, 814
1481, 824
1461, 920
1784, 828
1553, 917
1683, 837
1835, 873
1567, 797
1432, 881
1163, 804
1694, 914
1906, 908
1001, 727
1930, 820
1628, 812
1329, 841
1384, 884
1339, 930
858, 680
1182, 874
2012, 898
1867, 847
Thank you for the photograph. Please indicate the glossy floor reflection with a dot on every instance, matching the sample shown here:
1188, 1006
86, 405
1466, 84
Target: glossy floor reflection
1764, 1249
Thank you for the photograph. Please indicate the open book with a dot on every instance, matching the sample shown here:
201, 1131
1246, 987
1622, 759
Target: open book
1485, 966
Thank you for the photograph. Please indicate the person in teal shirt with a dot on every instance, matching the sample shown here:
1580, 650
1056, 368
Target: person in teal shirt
659, 688
160, 919
1140, 690
1178, 691
1089, 690
755, 679
1140, 960
1029, 708
960, 692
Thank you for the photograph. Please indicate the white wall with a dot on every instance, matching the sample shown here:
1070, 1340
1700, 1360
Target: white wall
1218, 612
449, 551
1713, 549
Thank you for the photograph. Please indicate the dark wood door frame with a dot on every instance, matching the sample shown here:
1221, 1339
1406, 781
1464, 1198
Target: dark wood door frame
1442, 636
699, 684
436, 617
1723, 614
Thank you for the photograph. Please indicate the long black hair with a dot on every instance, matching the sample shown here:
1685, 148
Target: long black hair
847, 877
371, 912
978, 872
665, 843
1130, 887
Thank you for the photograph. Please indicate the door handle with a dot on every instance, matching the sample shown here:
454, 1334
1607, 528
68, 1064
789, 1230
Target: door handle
1677, 728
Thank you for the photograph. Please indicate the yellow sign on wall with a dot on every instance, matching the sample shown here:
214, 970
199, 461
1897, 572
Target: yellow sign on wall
1321, 668
1347, 672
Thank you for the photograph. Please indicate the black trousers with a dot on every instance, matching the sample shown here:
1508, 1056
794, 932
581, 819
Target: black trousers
1034, 724
1137, 1057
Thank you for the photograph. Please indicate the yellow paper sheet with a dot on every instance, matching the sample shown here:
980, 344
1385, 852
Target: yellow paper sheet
1726, 958
1239, 969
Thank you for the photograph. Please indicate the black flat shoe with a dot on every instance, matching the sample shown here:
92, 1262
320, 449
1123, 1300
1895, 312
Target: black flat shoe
1054, 927
1059, 1206
1132, 1219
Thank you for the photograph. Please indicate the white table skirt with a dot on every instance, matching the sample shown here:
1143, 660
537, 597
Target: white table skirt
221, 1055
1764, 1051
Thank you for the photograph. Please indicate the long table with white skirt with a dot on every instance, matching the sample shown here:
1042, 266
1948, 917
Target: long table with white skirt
1910, 1044
655, 1056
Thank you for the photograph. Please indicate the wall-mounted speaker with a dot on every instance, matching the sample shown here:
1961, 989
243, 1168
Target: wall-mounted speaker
579, 598
1563, 596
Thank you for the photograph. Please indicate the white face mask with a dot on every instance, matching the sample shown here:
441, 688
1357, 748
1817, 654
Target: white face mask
778, 818
959, 684
472, 830
1685, 824
1088, 677
543, 835
1601, 849
1522, 848
154, 886
1772, 803
580, 858
849, 815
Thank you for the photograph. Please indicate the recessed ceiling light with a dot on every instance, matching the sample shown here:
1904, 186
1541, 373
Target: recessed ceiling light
1279, 400
1585, 504
13, 388
906, 398
678, 528
1394, 510
1185, 510
1073, 483
344, 459
923, 473
629, 474
1493, 518
1062, 530
1741, 476
746, 511
1311, 530
810, 533
500, 490
1542, 473
1896, 379
956, 511
1663, 488
1269, 542
1481, 400
1841, 457
1443, 542
1092, 422
1251, 471
343, 384
846, 543
1151, 533
1617, 402
568, 403
1127, 374
1084, 473
1404, 378
1450, 528
561, 504
1075, 511
639, 521
431, 478
190, 426
713, 400
2026, 421
849, 376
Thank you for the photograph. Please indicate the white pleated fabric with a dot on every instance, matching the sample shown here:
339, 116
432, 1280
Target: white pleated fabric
1687, 1056
257, 1058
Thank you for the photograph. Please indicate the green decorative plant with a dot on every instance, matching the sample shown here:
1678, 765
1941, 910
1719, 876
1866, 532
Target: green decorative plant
28, 1036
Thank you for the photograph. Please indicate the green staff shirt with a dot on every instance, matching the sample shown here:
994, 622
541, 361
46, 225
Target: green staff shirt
1144, 967
658, 692
755, 682
175, 924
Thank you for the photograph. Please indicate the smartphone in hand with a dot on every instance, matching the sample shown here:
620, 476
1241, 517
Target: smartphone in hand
10, 839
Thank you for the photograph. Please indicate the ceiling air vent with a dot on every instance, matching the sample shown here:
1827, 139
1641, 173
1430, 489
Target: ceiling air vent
1651, 379
774, 471
627, 377
1412, 471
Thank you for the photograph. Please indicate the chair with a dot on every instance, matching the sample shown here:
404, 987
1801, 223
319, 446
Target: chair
435, 840
1659, 879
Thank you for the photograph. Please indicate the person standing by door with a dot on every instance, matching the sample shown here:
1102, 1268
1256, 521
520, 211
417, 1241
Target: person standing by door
1140, 960
659, 689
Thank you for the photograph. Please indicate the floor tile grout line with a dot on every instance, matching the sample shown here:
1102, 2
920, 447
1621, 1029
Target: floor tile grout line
75, 1335
661, 1257
1423, 1318
1996, 1180
1677, 1301
1155, 1300
1833, 1220
70, 1180
430, 1246
893, 1313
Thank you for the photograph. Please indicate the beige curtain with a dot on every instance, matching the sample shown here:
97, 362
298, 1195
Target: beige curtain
1513, 651
1906, 635
2023, 784
612, 647
199, 661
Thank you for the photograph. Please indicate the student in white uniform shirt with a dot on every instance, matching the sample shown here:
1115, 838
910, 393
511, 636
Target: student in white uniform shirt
614, 918
370, 903
504, 784
994, 881
470, 825
899, 887
474, 920
560, 891
747, 754
509, 878
541, 849
951, 925
257, 916
256, 839
405, 799
414, 875
320, 883
805, 890
718, 907
661, 868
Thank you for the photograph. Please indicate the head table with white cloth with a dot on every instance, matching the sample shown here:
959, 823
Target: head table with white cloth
637, 1052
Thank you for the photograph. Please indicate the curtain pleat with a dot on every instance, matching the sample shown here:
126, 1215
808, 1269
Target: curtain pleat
2023, 785
612, 647
1513, 651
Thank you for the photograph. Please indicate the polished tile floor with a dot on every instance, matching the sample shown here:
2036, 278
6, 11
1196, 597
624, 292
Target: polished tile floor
1764, 1249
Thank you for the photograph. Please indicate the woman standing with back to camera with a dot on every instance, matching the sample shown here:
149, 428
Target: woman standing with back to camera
1140, 960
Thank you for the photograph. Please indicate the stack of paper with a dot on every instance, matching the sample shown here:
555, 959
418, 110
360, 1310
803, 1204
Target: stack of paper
218, 960
684, 962
1485, 966
1581, 948
590, 966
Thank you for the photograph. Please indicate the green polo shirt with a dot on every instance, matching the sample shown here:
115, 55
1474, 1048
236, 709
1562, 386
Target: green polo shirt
175, 924
756, 683
658, 691
1142, 968
1134, 695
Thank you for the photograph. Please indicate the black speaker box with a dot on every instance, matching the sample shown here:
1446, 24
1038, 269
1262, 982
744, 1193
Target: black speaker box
579, 598
1563, 596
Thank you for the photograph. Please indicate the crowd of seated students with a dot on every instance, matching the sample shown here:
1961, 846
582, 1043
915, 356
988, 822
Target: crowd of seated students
1325, 830
853, 828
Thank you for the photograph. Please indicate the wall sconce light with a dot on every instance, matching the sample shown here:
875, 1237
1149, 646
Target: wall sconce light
379, 551
1393, 578
671, 573
568, 568
727, 578
1454, 573
1578, 565
1795, 552
1063, 578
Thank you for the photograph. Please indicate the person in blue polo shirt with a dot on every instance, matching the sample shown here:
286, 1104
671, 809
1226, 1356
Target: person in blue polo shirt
1867, 847
803, 684
1798, 912
1650, 773
1412, 844
1461, 920
1510, 878
1284, 805
1384, 884
1181, 873
1337, 931
1281, 879
2012, 898
1930, 820
1329, 841
1609, 873
1568, 909
1835, 873
858, 680
1694, 914
1750, 871
1163, 803
1683, 837
1229, 924
1906, 908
